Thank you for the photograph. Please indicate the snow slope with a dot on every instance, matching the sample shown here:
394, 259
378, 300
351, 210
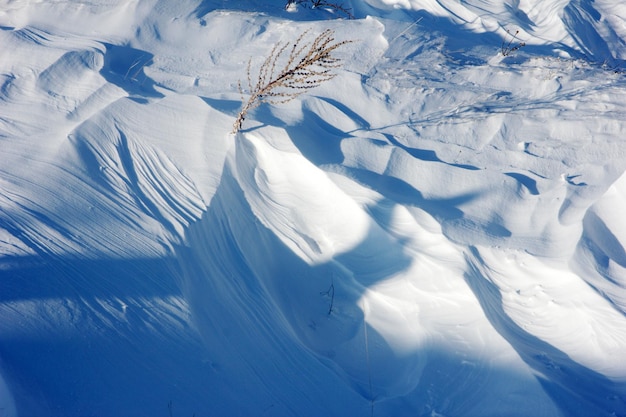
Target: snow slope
437, 231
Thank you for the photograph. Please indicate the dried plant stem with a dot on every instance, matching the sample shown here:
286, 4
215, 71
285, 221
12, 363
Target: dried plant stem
508, 48
307, 66
323, 4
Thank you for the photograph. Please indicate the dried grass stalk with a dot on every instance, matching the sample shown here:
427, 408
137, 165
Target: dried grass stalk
308, 65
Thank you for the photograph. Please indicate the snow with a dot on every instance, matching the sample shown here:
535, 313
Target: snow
437, 231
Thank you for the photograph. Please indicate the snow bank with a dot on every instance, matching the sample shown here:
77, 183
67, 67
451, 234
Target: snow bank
436, 231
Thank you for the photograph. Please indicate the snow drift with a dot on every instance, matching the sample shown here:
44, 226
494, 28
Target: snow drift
437, 231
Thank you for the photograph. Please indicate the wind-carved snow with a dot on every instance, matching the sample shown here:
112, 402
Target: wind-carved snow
308, 212
436, 231
600, 256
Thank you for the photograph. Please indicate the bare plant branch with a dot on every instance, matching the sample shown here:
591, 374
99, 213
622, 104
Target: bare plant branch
508, 48
307, 66
314, 4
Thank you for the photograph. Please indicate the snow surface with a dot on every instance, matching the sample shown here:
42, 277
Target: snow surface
438, 231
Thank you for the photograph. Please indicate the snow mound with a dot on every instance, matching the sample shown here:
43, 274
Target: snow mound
436, 231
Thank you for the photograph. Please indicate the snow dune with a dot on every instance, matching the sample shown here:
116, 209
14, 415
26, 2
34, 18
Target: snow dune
437, 231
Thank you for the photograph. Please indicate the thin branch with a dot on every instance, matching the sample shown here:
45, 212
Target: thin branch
507, 48
307, 66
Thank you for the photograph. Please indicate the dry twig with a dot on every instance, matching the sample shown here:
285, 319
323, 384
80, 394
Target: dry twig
308, 65
323, 4
509, 47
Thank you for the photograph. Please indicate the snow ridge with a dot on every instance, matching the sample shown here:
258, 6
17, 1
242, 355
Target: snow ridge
436, 231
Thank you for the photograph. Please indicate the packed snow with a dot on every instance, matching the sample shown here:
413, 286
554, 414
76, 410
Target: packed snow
437, 231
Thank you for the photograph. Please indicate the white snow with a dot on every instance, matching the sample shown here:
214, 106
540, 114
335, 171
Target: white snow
437, 231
